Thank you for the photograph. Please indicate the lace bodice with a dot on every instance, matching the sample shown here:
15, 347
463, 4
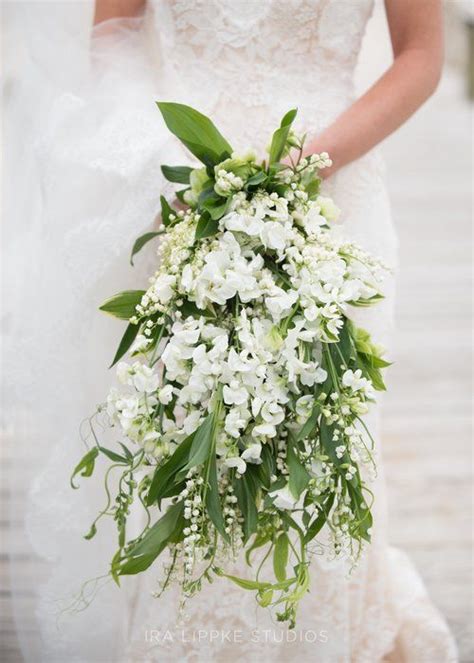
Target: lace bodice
246, 62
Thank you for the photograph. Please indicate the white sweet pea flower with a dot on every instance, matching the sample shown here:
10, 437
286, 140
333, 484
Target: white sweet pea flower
241, 222
187, 278
328, 208
252, 454
283, 498
236, 421
144, 378
140, 344
191, 422
354, 380
165, 394
274, 235
237, 462
280, 303
123, 372
313, 221
235, 395
264, 430
163, 287
304, 406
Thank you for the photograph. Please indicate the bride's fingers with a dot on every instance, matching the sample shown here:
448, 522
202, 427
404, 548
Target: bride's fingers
179, 205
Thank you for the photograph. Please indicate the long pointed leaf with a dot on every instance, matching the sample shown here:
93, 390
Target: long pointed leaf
196, 132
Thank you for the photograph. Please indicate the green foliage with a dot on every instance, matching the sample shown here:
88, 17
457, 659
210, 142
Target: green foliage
123, 304
196, 132
177, 174
141, 241
85, 466
126, 342
280, 136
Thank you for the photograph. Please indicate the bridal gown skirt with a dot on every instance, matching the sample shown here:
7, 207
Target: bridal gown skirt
94, 183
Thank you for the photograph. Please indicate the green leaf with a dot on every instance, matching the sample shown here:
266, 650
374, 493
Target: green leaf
141, 241
180, 194
117, 458
161, 479
206, 227
196, 132
178, 174
126, 342
265, 597
344, 343
246, 492
123, 304
310, 424
329, 446
85, 466
202, 443
216, 206
318, 523
280, 557
213, 503
298, 474
259, 178
260, 586
91, 533
144, 553
259, 541
166, 211
281, 136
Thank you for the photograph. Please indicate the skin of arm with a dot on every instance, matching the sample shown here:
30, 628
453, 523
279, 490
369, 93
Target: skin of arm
416, 32
107, 9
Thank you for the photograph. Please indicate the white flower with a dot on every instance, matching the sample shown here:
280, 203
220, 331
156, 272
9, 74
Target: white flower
140, 344
252, 453
235, 395
354, 380
242, 222
304, 406
274, 235
328, 209
313, 221
165, 394
264, 430
144, 378
237, 462
280, 303
163, 287
283, 498
235, 421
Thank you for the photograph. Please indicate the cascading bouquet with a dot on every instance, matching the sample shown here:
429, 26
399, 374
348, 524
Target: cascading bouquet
241, 408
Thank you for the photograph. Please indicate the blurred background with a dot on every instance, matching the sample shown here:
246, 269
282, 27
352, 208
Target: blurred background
427, 420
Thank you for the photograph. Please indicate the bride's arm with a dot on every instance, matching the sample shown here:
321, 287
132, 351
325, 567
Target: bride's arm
417, 40
107, 9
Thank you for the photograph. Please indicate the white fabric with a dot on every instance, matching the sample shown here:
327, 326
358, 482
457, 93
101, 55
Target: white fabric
84, 184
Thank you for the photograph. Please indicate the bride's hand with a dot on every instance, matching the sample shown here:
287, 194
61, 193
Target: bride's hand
316, 146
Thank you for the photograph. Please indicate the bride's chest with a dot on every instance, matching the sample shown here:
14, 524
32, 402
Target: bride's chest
263, 27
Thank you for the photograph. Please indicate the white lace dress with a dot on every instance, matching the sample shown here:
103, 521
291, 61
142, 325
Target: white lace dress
99, 142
